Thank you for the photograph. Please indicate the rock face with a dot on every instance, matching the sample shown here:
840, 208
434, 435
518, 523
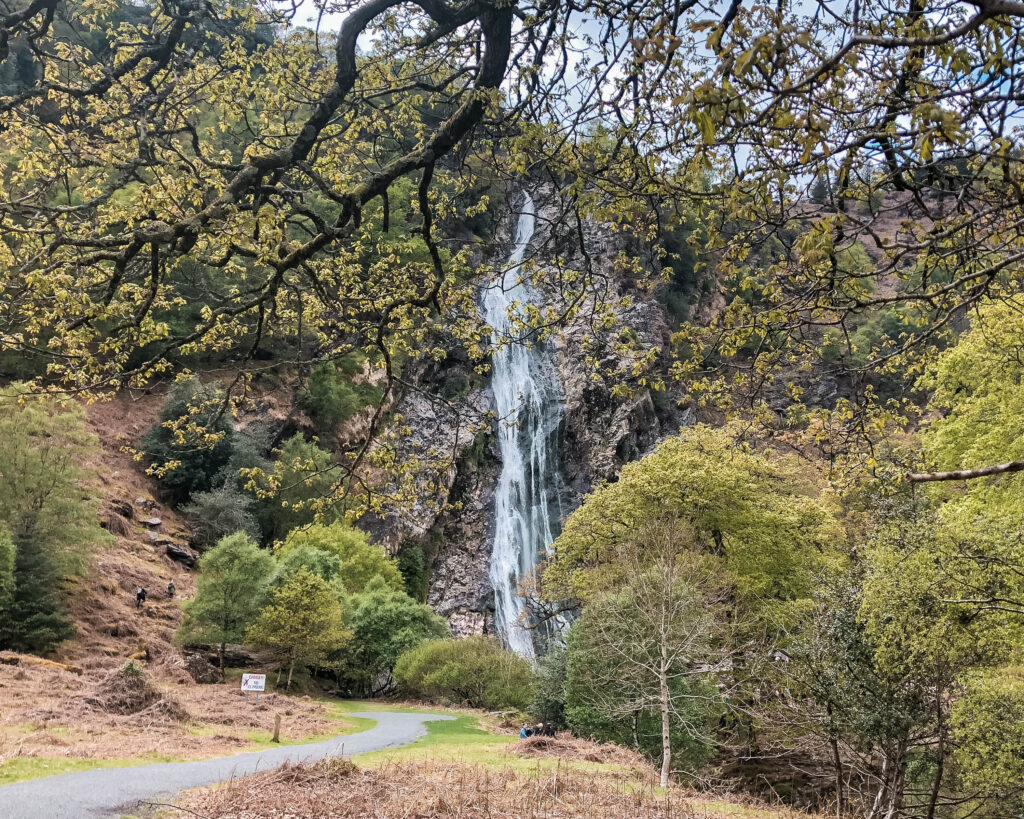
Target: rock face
603, 430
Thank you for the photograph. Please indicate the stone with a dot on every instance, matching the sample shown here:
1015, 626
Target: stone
200, 669
182, 554
124, 509
145, 503
152, 523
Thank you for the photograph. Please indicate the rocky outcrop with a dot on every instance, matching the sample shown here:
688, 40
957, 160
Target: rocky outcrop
460, 588
605, 426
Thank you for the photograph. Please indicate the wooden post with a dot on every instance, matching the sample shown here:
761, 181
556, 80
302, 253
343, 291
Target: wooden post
277, 728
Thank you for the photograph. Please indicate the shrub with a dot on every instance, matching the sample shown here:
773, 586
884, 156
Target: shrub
361, 561
219, 512
476, 671
192, 442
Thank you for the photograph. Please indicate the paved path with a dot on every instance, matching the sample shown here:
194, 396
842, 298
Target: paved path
109, 792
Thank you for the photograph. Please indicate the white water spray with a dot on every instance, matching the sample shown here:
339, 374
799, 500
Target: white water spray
530, 408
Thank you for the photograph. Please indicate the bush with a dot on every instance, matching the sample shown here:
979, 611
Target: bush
193, 441
219, 512
476, 671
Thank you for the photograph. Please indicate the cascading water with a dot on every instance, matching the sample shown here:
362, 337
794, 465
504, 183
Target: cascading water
530, 406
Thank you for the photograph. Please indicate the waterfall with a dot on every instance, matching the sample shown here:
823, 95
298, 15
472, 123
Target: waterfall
530, 407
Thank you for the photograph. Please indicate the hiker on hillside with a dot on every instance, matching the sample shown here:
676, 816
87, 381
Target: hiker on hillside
140, 597
170, 590
525, 732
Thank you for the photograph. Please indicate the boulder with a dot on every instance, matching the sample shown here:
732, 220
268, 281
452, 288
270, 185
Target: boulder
184, 555
152, 522
200, 669
235, 656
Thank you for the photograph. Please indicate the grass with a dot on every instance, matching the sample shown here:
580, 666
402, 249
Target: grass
354, 726
463, 740
35, 767
359, 706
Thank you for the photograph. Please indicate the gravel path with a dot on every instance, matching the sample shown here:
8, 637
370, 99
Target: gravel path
110, 792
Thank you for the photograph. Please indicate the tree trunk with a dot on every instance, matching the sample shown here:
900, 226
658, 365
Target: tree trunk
291, 668
666, 739
899, 779
220, 654
876, 807
940, 763
838, 763
636, 730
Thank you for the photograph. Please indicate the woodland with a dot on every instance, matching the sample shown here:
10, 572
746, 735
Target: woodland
819, 569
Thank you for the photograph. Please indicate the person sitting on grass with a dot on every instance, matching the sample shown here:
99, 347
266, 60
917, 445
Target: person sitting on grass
525, 732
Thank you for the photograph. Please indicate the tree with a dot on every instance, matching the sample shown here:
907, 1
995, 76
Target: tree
989, 724
297, 490
8, 552
324, 565
230, 591
385, 624
193, 440
476, 671
302, 622
550, 702
361, 561
651, 647
220, 512
752, 513
46, 510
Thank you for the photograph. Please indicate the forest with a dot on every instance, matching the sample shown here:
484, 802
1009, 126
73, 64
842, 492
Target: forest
650, 370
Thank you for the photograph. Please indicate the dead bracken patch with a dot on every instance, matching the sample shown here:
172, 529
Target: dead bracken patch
431, 791
570, 748
47, 711
129, 690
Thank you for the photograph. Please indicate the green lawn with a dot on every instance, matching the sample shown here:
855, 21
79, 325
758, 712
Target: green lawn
33, 767
463, 740
460, 739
